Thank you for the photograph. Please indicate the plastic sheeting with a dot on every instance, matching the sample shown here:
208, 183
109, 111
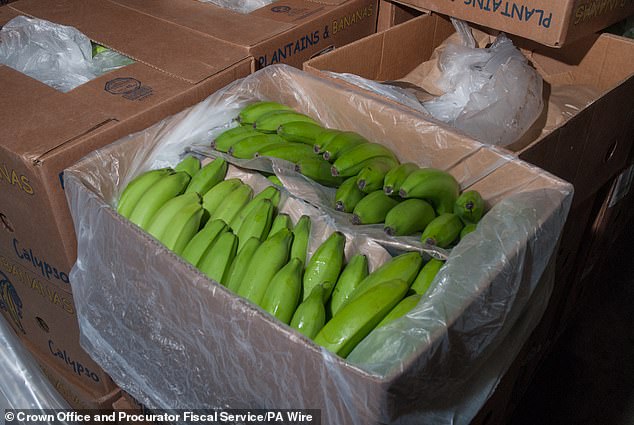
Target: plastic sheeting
177, 340
23, 384
57, 55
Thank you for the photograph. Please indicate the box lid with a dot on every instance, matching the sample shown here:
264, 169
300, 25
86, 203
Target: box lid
241, 29
174, 49
170, 60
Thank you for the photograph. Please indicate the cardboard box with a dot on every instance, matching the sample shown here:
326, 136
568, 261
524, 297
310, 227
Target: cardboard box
44, 130
552, 23
197, 344
48, 130
391, 14
586, 148
44, 318
77, 396
286, 31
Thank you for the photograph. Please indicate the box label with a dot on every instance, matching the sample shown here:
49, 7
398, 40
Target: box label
315, 39
596, 8
129, 88
10, 301
516, 11
47, 292
74, 365
13, 178
47, 270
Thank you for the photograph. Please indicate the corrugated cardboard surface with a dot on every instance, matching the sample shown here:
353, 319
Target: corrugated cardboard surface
552, 23
77, 396
586, 149
240, 355
44, 318
287, 31
42, 131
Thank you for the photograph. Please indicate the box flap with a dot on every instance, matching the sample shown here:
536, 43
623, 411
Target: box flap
32, 103
142, 37
218, 22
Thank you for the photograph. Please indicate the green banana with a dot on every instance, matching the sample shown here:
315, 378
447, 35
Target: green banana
271, 121
310, 315
230, 137
248, 147
469, 207
208, 176
437, 186
318, 170
190, 164
301, 237
233, 203
164, 217
406, 305
257, 223
408, 217
356, 168
353, 160
137, 188
240, 262
156, 195
203, 240
282, 295
300, 132
443, 230
271, 193
184, 225
357, 318
275, 180
396, 176
325, 264
217, 194
353, 273
342, 142
348, 195
468, 228
426, 275
371, 177
281, 221
373, 208
250, 113
217, 260
270, 256
403, 267
289, 151
325, 137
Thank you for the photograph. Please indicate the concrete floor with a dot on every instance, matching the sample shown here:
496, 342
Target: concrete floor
588, 377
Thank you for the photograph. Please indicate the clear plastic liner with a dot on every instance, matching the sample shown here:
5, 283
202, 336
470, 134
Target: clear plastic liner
57, 55
23, 384
174, 339
241, 6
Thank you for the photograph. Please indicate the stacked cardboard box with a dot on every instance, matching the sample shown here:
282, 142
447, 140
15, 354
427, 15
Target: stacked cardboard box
588, 148
44, 130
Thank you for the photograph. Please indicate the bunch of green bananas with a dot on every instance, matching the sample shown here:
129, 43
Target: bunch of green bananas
243, 242
371, 183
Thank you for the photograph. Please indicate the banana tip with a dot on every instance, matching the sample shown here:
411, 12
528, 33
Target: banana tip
361, 184
316, 148
327, 156
339, 206
389, 231
334, 171
402, 193
356, 219
388, 190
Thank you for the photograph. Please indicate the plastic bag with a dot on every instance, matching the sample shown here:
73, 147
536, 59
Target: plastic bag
241, 6
23, 384
491, 94
57, 55
174, 339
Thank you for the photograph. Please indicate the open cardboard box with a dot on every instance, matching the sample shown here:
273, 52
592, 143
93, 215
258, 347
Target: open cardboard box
43, 131
286, 31
585, 146
552, 23
174, 339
